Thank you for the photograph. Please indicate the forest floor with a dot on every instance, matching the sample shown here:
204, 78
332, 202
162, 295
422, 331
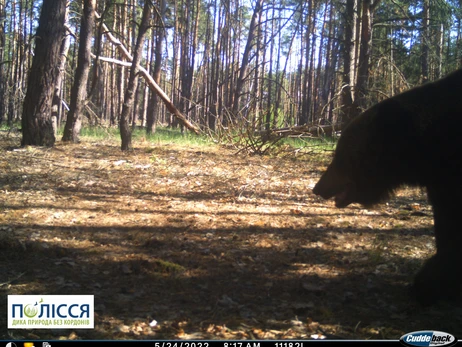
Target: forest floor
196, 242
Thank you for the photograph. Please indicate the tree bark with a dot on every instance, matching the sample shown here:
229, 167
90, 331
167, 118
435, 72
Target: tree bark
347, 111
37, 127
215, 109
56, 106
3, 99
425, 41
246, 56
439, 70
153, 99
79, 89
306, 100
364, 55
125, 130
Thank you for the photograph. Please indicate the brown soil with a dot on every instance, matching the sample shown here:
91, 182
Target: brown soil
209, 244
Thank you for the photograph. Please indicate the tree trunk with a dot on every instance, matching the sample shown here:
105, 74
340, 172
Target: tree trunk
439, 71
125, 131
329, 69
151, 117
425, 41
349, 59
188, 48
2, 66
37, 127
62, 69
269, 94
215, 111
364, 56
305, 73
246, 56
12, 70
79, 89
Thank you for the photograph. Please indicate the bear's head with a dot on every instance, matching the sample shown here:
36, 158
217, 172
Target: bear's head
370, 159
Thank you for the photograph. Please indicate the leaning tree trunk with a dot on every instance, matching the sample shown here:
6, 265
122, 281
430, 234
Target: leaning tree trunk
79, 89
37, 128
147, 77
246, 56
125, 131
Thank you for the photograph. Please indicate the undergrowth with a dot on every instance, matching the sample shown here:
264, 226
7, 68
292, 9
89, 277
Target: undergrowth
242, 142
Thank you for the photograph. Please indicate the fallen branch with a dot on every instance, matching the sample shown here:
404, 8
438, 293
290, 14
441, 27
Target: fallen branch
147, 77
309, 129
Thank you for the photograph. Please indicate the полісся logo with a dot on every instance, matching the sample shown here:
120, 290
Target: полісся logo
50, 311
428, 338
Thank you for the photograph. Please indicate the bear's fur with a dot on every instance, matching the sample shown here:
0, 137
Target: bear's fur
413, 138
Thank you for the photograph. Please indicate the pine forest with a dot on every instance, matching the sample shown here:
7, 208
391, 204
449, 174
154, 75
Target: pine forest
215, 66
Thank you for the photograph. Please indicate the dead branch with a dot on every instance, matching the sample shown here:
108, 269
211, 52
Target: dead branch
308, 129
147, 77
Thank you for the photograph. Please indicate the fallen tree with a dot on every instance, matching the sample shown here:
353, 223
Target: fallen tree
145, 74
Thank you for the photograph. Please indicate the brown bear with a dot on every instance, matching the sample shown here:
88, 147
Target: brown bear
412, 139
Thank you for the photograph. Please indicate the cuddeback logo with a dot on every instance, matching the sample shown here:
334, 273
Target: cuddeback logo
428, 338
